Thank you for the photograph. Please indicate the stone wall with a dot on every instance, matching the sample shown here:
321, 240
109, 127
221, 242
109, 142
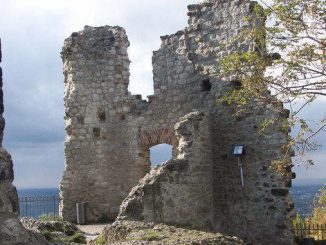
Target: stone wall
201, 187
180, 191
98, 150
262, 210
11, 230
109, 131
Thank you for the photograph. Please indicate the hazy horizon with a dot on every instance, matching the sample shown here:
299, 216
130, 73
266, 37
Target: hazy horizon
294, 183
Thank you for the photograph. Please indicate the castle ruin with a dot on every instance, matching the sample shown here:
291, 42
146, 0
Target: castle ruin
109, 133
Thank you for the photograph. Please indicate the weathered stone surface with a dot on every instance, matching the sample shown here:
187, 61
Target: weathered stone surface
109, 132
280, 192
56, 232
8, 198
132, 232
13, 233
179, 192
6, 166
97, 72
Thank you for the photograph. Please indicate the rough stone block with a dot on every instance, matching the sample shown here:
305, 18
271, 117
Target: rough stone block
201, 185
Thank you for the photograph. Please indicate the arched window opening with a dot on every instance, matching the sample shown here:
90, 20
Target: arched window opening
160, 153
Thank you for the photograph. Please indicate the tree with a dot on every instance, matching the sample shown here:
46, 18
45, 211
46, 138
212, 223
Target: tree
288, 58
318, 215
317, 219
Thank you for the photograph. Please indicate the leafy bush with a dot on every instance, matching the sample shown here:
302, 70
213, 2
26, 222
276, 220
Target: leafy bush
318, 215
298, 220
100, 239
49, 217
67, 229
77, 238
151, 236
316, 220
46, 234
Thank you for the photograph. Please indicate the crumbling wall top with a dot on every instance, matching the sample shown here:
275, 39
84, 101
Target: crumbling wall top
95, 41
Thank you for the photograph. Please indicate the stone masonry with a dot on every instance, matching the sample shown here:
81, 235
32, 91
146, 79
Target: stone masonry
109, 133
11, 230
165, 193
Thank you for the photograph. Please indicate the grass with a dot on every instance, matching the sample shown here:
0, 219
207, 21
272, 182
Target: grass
151, 235
47, 235
77, 238
49, 217
100, 240
66, 228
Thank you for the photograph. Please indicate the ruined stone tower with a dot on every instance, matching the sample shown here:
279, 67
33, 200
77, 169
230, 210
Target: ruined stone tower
109, 132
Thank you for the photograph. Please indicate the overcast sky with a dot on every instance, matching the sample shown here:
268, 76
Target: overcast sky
32, 34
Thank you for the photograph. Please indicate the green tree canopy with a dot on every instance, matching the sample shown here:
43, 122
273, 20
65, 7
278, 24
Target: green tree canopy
288, 58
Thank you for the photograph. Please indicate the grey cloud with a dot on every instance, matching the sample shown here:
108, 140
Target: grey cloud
317, 171
37, 165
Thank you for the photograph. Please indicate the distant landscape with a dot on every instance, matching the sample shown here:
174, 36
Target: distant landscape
304, 193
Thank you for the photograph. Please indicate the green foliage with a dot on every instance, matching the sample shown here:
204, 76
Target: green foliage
68, 229
316, 220
61, 226
100, 239
266, 124
151, 235
43, 217
77, 238
287, 57
46, 234
298, 220
49, 217
319, 211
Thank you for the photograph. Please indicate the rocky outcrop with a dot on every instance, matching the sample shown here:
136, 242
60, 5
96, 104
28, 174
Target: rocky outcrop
11, 230
56, 232
8, 193
141, 233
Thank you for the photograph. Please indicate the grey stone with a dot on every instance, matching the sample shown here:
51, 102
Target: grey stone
200, 187
280, 192
13, 233
140, 233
